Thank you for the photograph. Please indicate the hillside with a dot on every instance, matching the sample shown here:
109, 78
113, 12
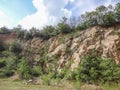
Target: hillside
88, 52
70, 47
73, 47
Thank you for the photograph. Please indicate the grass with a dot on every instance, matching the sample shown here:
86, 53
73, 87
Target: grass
112, 86
7, 84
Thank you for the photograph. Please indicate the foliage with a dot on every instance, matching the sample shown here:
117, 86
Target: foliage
36, 71
24, 70
101, 16
2, 48
48, 32
2, 63
110, 71
117, 12
63, 27
62, 73
45, 79
94, 69
8, 66
15, 47
6, 73
4, 30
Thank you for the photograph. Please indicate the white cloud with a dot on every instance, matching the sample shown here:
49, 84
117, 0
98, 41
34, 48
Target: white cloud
81, 6
72, 0
49, 12
5, 20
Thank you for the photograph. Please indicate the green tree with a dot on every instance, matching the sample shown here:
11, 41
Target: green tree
89, 70
101, 10
4, 30
63, 27
117, 12
48, 32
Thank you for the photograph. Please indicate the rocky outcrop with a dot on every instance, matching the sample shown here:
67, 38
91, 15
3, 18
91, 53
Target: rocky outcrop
73, 47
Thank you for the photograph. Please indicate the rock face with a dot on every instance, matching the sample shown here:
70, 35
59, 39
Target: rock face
6, 38
73, 47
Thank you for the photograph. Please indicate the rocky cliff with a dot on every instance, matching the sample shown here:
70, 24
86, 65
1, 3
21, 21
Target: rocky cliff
73, 47
68, 50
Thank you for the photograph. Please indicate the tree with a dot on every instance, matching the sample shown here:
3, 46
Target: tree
101, 10
109, 18
63, 27
89, 70
47, 32
4, 30
117, 12
17, 30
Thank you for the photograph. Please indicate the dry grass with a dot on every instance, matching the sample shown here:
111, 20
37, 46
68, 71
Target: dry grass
8, 84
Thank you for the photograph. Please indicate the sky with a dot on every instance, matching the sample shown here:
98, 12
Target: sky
38, 13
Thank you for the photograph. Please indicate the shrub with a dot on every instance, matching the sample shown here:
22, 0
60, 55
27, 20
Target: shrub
109, 70
15, 47
8, 66
94, 69
46, 80
89, 68
24, 70
6, 72
52, 75
62, 73
2, 63
2, 48
36, 71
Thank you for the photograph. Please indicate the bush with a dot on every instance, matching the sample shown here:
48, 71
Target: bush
2, 63
52, 75
109, 70
6, 72
8, 66
24, 70
94, 69
2, 48
36, 71
46, 80
62, 73
15, 47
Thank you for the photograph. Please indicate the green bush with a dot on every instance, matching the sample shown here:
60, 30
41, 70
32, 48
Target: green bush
2, 63
62, 73
2, 48
70, 75
24, 70
36, 71
94, 69
15, 47
52, 75
109, 70
45, 79
6, 72
8, 66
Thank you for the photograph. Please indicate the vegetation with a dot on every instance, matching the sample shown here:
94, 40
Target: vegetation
102, 16
92, 69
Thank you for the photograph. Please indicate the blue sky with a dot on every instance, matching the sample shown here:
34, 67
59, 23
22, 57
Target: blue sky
37, 13
17, 8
